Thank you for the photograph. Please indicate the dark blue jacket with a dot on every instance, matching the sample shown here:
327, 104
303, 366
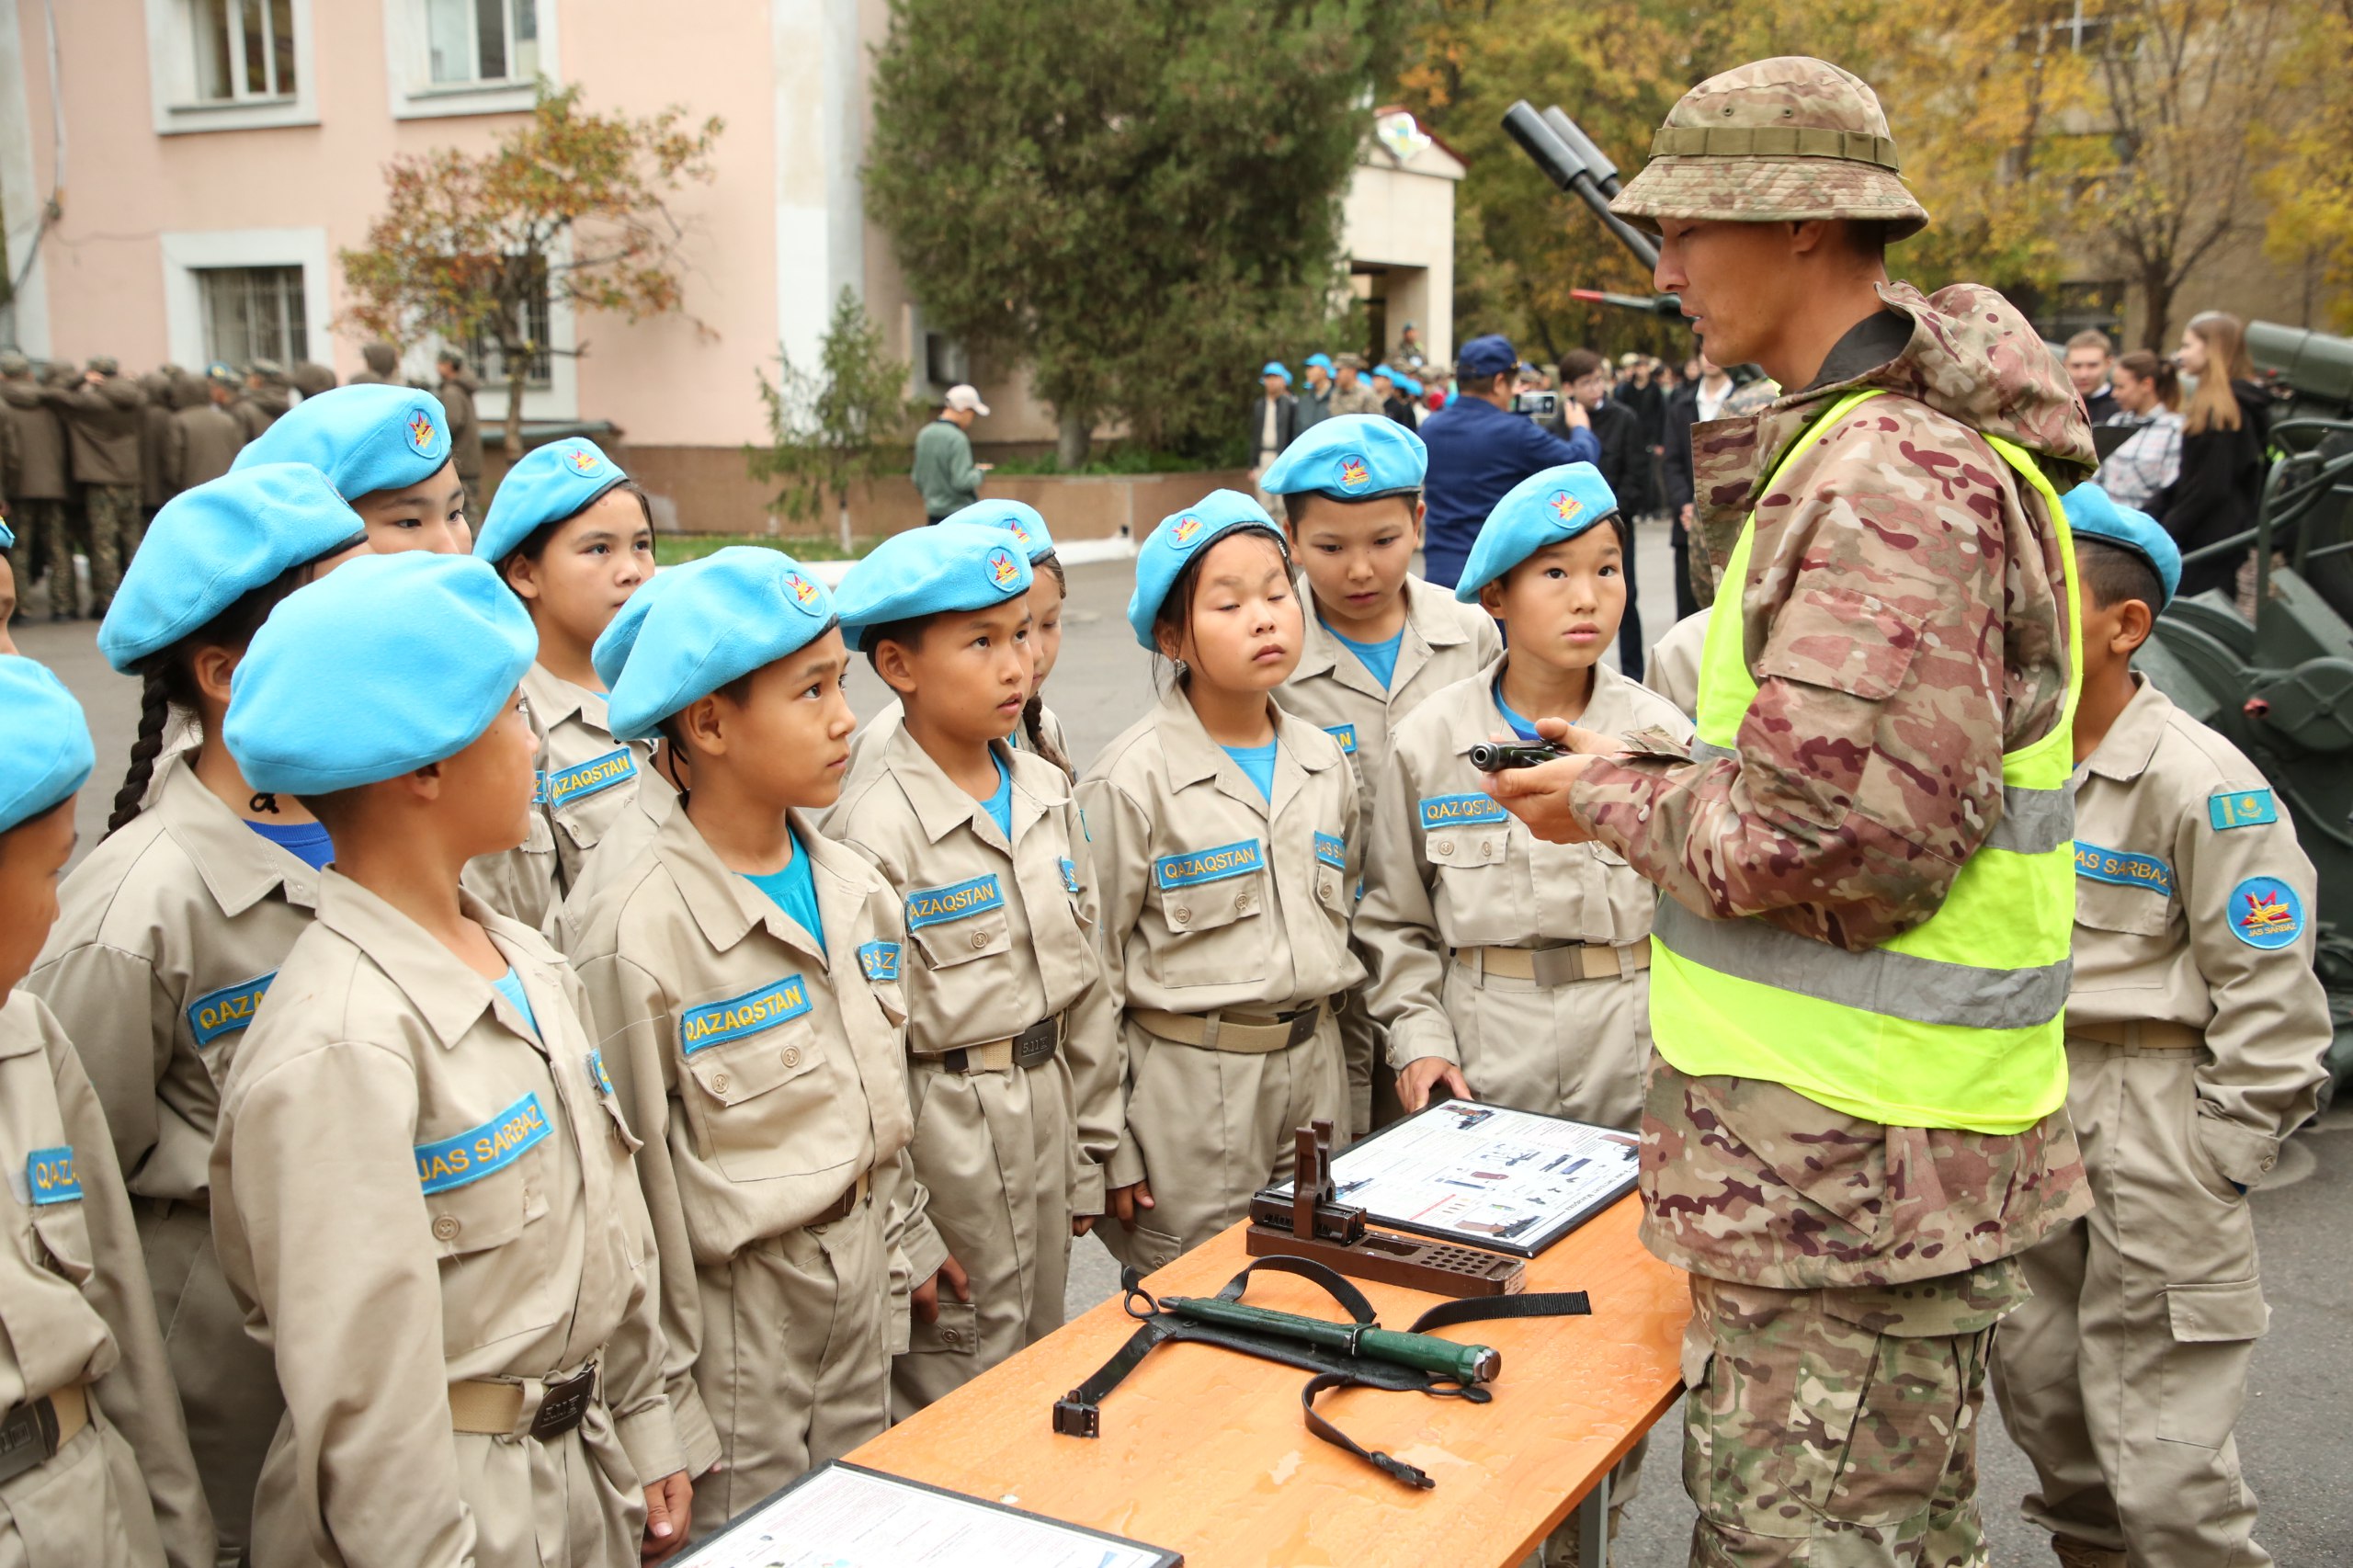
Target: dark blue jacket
1477, 452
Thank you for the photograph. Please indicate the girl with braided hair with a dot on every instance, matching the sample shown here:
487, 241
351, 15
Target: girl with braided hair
173, 927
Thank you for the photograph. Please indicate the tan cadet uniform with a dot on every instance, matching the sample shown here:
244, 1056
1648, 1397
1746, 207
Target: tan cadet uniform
1444, 640
1524, 963
172, 931
585, 780
1673, 668
767, 1078
867, 746
2195, 1027
627, 837
1000, 966
1225, 935
426, 1209
120, 1487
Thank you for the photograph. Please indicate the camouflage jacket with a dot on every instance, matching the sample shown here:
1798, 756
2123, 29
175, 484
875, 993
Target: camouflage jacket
1906, 623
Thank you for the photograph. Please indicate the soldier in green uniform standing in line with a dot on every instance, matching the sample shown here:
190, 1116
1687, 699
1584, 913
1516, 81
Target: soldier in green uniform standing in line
1855, 1120
103, 416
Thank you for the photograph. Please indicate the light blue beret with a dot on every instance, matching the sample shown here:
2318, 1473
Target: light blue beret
618, 640
8, 536
550, 483
1321, 361
2092, 513
1277, 368
211, 546
1017, 518
364, 438
1544, 508
1356, 457
1180, 536
735, 610
946, 567
45, 752
386, 665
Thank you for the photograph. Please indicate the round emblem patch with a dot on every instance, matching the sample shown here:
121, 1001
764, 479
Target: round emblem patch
583, 460
1355, 474
1185, 531
1004, 571
804, 592
1566, 508
2266, 912
421, 433
1020, 532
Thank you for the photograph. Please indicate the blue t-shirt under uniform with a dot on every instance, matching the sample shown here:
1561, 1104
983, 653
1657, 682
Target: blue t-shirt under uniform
1000, 804
1524, 729
794, 891
1258, 761
510, 986
306, 841
1380, 658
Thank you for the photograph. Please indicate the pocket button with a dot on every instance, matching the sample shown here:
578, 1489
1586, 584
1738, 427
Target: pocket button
980, 940
792, 1056
1242, 904
719, 1082
445, 1227
1181, 915
1447, 847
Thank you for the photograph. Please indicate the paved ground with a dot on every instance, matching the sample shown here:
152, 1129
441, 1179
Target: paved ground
2294, 1435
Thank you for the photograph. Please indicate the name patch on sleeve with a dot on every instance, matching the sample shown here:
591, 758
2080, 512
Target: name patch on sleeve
2242, 808
879, 960
481, 1151
715, 1023
1332, 851
1453, 811
1198, 866
1070, 878
929, 906
593, 777
50, 1177
2123, 867
227, 1010
1343, 733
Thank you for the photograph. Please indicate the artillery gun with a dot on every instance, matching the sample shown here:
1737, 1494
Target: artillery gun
2280, 686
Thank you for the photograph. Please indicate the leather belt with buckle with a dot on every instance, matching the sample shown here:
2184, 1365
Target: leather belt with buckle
31, 1433
1256, 1034
1565, 965
842, 1208
491, 1408
1032, 1047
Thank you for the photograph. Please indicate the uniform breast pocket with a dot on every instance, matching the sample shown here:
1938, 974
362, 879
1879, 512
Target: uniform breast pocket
757, 1092
2122, 892
1213, 906
960, 922
486, 1206
61, 1221
1472, 870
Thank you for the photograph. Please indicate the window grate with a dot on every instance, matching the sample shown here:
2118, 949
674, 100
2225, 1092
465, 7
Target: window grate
254, 313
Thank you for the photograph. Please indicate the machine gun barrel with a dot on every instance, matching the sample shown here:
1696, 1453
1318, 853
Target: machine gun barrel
1565, 167
1597, 161
1464, 1364
1649, 304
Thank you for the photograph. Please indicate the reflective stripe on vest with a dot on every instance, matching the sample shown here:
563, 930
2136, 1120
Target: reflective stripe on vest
1955, 1022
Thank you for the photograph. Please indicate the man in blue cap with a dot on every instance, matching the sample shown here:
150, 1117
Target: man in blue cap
1315, 398
1274, 422
1480, 449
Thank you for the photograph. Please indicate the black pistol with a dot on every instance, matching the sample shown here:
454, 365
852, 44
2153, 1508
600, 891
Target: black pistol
1495, 757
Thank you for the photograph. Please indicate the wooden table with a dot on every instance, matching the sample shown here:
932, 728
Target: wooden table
1204, 1450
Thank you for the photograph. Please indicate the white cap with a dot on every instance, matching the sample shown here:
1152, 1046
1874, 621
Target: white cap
964, 397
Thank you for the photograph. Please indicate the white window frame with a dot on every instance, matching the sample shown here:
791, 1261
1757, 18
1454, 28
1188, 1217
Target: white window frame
189, 252
408, 74
171, 77
559, 400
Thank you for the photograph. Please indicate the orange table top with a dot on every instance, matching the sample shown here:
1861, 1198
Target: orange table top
1204, 1451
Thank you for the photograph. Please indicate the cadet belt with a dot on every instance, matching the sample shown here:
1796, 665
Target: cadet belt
842, 1208
496, 1408
31, 1433
2137, 1035
1032, 1047
1255, 1034
1556, 966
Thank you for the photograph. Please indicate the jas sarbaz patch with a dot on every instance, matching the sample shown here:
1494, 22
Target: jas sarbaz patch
716, 1023
480, 1150
929, 906
2123, 867
2266, 912
879, 961
1355, 474
1332, 851
227, 1010
1198, 866
1004, 571
1070, 878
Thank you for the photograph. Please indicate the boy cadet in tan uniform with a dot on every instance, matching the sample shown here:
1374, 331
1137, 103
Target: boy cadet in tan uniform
744, 972
1378, 640
2195, 1028
1009, 1025
94, 1461
423, 1183
1673, 668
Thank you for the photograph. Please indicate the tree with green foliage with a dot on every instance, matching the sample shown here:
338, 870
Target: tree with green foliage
1136, 200
837, 427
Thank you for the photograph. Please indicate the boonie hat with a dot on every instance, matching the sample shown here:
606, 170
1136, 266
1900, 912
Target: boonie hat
45, 750
1351, 362
550, 483
1015, 518
1777, 140
1354, 457
387, 664
2093, 513
211, 545
1546, 507
1179, 537
946, 567
1492, 355
364, 438
736, 610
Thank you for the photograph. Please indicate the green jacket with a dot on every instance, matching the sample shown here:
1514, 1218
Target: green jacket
944, 470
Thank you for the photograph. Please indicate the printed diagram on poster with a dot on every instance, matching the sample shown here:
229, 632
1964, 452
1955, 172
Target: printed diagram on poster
1487, 1176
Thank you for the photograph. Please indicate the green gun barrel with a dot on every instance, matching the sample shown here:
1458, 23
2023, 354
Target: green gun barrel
1464, 1364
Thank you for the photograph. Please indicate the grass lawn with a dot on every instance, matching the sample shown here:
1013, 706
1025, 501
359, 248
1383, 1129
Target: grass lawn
673, 548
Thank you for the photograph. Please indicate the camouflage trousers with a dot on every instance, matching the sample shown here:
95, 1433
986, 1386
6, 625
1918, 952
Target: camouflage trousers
116, 524
1837, 1429
47, 532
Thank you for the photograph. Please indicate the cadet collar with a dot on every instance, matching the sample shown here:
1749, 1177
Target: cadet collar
20, 1024
2123, 754
240, 867
446, 994
941, 807
554, 699
1193, 757
1322, 653
1610, 710
727, 908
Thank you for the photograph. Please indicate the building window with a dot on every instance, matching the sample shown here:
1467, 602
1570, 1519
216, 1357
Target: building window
489, 365
230, 64
253, 312
245, 50
472, 41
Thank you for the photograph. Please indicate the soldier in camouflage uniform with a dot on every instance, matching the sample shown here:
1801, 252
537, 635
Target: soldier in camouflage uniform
1902, 618
103, 417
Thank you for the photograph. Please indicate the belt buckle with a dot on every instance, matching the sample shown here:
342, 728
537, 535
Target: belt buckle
1037, 1044
1302, 1026
28, 1438
563, 1405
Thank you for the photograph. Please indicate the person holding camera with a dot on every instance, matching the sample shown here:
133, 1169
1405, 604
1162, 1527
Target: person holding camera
1480, 447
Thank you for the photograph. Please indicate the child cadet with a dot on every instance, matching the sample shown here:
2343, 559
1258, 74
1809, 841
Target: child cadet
574, 538
422, 1186
176, 924
386, 451
1380, 639
1226, 839
1507, 968
94, 1461
2195, 1028
1010, 1028
744, 970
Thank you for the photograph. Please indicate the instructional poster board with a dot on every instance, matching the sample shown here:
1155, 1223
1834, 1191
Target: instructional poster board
1512, 1181
845, 1516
